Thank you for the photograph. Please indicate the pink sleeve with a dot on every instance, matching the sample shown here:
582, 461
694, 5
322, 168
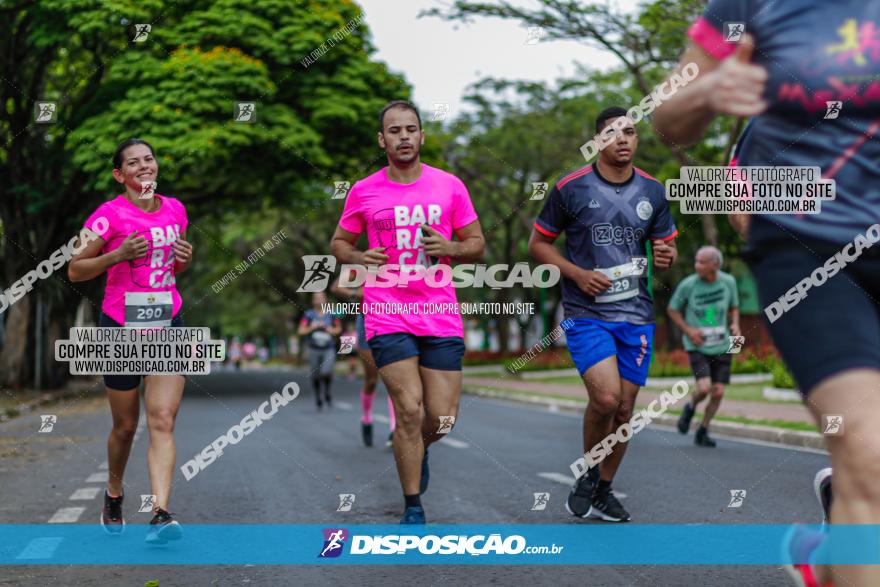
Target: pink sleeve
352, 220
103, 221
184, 219
710, 39
464, 212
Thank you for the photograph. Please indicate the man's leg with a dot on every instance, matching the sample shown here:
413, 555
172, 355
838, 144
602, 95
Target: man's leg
602, 381
405, 388
716, 392
854, 458
701, 391
609, 466
442, 396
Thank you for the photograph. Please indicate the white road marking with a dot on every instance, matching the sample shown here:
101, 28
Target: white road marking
40, 548
343, 405
568, 480
99, 477
454, 442
103, 466
66, 515
381, 418
86, 493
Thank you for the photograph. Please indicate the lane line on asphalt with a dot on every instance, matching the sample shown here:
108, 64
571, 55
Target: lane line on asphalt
568, 480
85, 493
343, 405
66, 515
39, 548
454, 442
99, 477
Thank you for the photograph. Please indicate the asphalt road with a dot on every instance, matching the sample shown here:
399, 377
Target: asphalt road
291, 469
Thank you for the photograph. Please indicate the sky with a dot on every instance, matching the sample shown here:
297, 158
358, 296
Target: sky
440, 58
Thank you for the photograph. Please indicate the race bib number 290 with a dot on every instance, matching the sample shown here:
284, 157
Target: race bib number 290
624, 280
148, 309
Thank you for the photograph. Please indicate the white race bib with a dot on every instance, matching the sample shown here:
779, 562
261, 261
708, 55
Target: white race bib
624, 280
147, 309
713, 335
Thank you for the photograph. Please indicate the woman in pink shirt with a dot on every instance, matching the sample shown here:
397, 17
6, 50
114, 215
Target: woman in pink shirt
141, 247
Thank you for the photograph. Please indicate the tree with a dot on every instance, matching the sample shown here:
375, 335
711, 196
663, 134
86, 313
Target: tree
307, 66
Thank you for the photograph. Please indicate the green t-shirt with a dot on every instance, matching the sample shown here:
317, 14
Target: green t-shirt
705, 307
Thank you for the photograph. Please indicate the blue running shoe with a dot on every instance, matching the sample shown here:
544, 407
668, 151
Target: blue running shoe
426, 474
413, 515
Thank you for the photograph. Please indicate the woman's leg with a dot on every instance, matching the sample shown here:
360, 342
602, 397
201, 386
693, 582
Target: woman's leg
125, 408
162, 400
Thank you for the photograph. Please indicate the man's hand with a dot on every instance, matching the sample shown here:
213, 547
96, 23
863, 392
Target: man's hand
663, 254
434, 243
735, 330
375, 256
592, 282
738, 86
695, 335
133, 247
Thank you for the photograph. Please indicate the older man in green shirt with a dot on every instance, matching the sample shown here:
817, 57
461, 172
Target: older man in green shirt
711, 315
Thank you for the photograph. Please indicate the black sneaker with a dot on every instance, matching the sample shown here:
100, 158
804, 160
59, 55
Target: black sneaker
367, 434
163, 527
822, 487
606, 507
580, 498
111, 515
702, 438
684, 421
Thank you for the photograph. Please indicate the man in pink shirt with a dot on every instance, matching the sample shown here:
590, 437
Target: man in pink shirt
410, 212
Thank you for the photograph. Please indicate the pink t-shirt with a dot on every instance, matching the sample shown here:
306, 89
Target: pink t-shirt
155, 271
392, 214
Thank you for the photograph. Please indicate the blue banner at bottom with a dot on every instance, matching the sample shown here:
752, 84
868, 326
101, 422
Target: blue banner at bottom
528, 544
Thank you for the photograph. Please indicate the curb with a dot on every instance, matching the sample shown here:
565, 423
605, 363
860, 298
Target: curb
796, 438
72, 390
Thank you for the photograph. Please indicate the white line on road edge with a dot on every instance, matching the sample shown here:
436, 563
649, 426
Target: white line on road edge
568, 481
99, 477
343, 405
86, 493
66, 515
40, 548
542, 408
454, 443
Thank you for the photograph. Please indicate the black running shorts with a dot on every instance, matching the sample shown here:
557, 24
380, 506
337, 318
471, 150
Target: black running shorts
836, 326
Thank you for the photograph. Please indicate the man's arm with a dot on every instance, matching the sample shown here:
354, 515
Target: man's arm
342, 246
543, 250
733, 320
470, 245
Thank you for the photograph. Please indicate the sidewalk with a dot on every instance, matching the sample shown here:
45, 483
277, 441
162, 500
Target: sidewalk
729, 408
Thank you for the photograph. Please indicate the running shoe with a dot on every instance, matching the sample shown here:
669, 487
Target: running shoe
798, 546
702, 438
684, 421
111, 515
367, 434
163, 527
580, 498
607, 507
413, 515
426, 473
822, 487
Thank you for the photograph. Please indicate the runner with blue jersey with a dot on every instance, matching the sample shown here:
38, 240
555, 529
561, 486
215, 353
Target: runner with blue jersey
608, 211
